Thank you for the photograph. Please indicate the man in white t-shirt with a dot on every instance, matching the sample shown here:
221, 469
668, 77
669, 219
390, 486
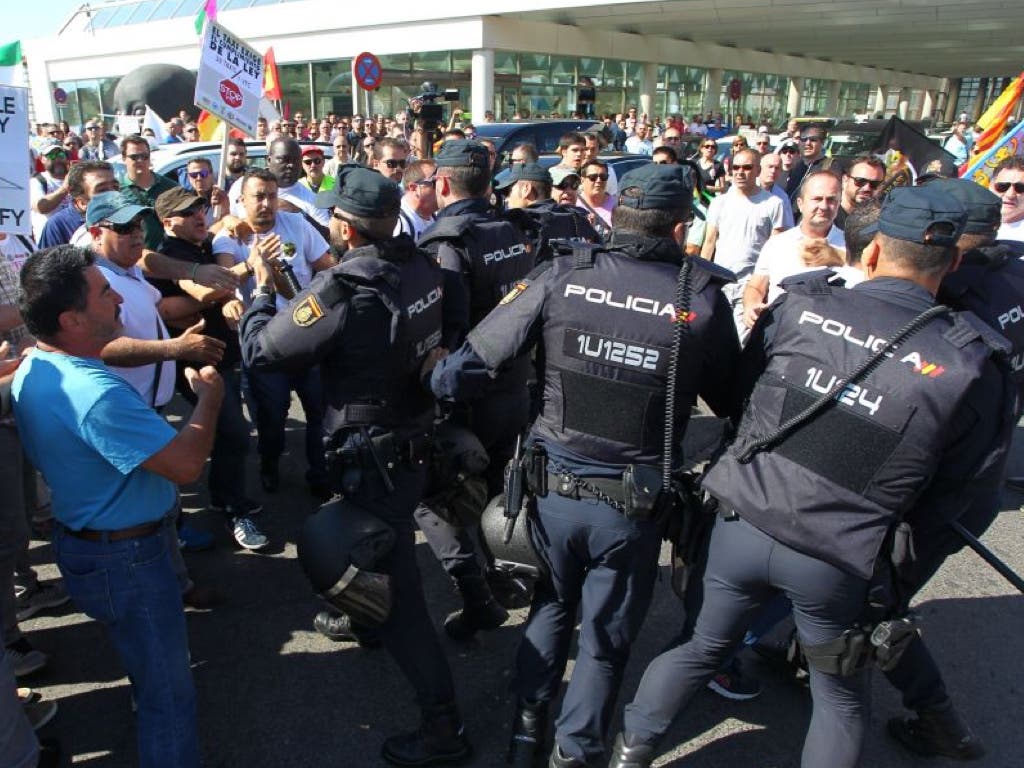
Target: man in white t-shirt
419, 201
1008, 183
784, 254
285, 239
739, 223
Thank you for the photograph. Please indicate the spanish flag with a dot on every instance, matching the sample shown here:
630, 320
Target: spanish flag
211, 128
996, 117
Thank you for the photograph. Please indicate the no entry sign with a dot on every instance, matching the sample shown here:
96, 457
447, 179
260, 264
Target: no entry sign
369, 72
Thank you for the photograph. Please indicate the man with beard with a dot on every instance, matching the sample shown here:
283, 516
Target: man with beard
238, 161
284, 160
861, 182
86, 179
49, 189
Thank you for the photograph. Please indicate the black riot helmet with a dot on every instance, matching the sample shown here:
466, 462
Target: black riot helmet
338, 548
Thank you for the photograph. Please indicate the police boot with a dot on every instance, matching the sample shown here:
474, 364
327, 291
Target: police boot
529, 732
340, 628
625, 754
440, 740
559, 759
937, 731
479, 610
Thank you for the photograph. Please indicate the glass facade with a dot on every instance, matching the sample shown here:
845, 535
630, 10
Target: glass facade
681, 90
525, 84
762, 97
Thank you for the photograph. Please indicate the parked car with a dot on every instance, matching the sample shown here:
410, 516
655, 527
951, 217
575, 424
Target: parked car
543, 134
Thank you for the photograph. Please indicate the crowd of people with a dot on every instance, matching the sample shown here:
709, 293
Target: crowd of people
402, 292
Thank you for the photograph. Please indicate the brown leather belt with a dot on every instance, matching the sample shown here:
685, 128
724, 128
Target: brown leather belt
135, 532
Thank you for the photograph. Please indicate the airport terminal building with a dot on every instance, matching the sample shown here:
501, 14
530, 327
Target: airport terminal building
681, 56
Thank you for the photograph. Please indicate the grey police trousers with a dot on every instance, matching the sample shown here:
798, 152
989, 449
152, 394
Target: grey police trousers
746, 568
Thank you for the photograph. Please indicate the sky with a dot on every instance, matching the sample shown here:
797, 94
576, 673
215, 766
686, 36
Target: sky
23, 21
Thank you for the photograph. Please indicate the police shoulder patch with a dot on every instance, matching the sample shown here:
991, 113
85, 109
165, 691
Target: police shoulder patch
307, 312
512, 295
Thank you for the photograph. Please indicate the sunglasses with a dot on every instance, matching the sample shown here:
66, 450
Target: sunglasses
743, 167
427, 182
138, 157
671, 138
313, 161
859, 181
709, 146
806, 139
1002, 186
122, 229
394, 163
570, 184
597, 177
763, 143
92, 127
788, 151
200, 174
59, 154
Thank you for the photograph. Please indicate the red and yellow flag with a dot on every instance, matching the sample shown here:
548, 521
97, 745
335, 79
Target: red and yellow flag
271, 82
996, 117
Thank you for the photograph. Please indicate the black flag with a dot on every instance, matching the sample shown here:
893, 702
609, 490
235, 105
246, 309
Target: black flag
908, 153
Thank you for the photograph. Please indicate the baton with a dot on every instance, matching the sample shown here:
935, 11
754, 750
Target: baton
989, 556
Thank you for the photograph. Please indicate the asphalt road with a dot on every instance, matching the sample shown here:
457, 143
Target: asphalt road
272, 692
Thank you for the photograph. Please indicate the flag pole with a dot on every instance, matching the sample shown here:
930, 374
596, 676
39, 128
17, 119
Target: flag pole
982, 159
222, 174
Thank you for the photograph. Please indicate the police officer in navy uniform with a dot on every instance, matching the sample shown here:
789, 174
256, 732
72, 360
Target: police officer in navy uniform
373, 323
810, 510
604, 320
990, 283
528, 191
482, 255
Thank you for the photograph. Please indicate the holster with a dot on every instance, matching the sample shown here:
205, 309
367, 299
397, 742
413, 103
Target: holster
844, 656
891, 639
642, 495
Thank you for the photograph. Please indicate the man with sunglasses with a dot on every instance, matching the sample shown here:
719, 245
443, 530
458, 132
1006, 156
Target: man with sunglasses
315, 179
1008, 183
739, 223
419, 199
202, 180
97, 146
787, 150
143, 186
862, 181
812, 155
389, 156
49, 189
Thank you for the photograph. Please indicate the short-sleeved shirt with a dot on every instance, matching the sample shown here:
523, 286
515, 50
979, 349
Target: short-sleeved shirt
780, 257
744, 225
291, 228
141, 320
89, 432
1011, 231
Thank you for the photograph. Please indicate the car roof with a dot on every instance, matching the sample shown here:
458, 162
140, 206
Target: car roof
503, 130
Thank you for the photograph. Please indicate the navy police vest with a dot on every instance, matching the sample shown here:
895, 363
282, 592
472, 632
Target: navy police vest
608, 333
835, 485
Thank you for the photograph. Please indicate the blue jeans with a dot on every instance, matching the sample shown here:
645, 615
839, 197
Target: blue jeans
270, 395
131, 588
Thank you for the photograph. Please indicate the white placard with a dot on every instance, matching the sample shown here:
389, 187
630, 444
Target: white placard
230, 80
14, 162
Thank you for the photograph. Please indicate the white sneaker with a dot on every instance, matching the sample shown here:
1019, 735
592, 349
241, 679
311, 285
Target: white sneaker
248, 535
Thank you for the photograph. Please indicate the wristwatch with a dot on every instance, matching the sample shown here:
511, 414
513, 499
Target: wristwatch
266, 290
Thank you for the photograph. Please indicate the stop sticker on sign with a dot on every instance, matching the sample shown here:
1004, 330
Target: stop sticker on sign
230, 93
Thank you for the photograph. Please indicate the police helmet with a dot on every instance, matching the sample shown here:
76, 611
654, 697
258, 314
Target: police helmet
457, 491
519, 553
338, 548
